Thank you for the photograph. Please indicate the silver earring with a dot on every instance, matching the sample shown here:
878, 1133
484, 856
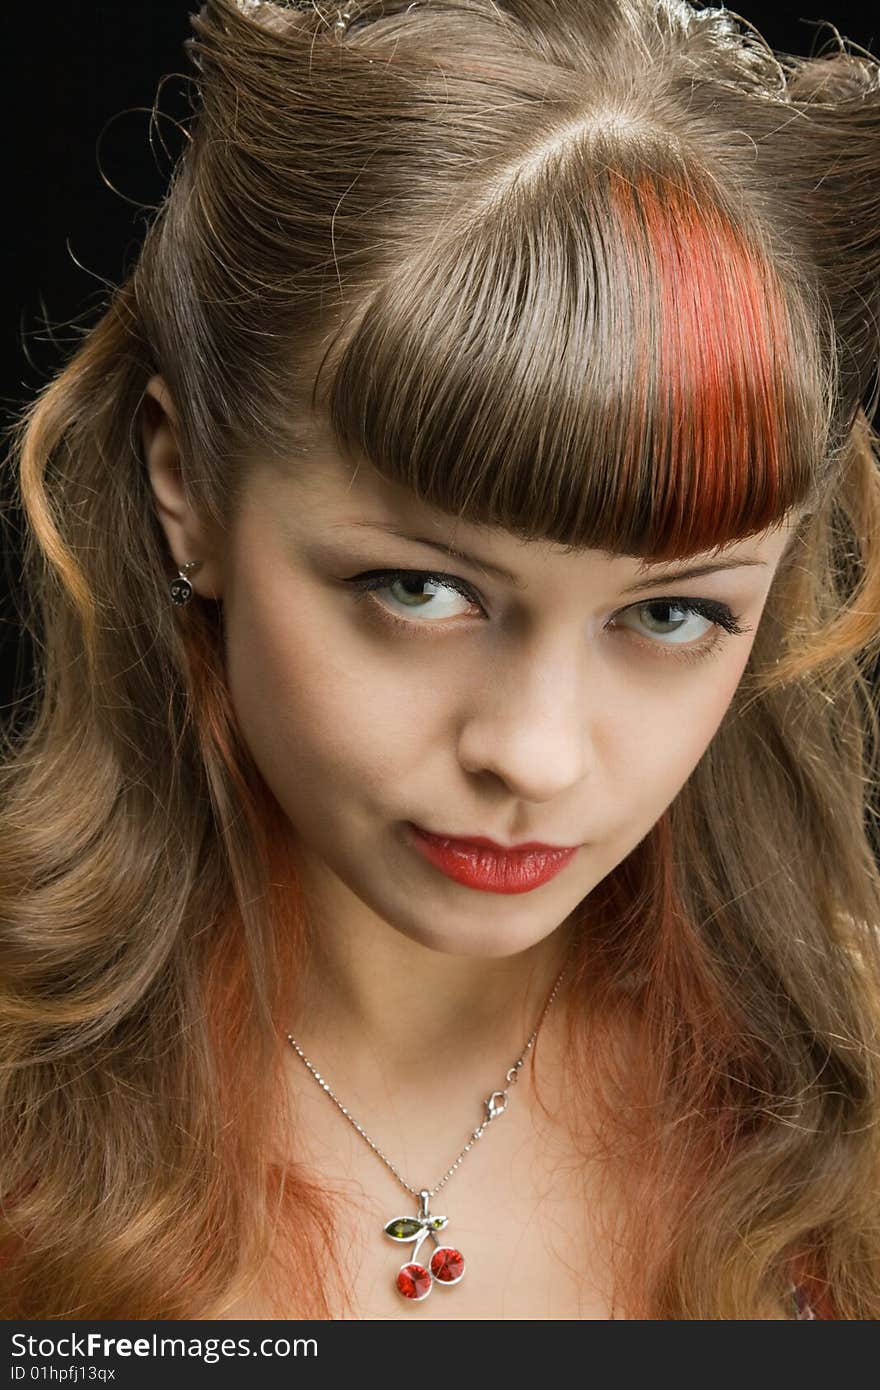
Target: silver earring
180, 589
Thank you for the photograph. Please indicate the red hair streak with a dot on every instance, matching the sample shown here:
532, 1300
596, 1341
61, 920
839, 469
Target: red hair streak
721, 356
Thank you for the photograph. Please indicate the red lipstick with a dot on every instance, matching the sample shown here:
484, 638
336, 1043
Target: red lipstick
481, 864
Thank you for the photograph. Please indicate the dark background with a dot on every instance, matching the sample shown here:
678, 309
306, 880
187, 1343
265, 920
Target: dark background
80, 80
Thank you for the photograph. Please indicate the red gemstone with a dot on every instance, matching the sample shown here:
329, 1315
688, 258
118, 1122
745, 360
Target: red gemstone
414, 1281
447, 1264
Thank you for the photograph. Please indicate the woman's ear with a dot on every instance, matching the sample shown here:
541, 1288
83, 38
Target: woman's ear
188, 538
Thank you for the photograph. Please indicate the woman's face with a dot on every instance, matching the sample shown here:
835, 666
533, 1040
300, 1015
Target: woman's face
561, 705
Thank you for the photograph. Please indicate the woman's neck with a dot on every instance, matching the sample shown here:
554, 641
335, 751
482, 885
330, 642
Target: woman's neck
372, 1001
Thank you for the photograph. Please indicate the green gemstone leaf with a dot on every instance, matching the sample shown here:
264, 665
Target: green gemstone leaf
404, 1228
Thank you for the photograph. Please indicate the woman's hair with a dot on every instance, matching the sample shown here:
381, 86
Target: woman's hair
600, 272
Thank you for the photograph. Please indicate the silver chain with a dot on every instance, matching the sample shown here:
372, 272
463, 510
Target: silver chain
495, 1105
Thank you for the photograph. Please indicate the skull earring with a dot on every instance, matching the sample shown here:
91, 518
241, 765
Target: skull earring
180, 588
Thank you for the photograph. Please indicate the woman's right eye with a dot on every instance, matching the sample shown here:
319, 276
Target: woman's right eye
415, 591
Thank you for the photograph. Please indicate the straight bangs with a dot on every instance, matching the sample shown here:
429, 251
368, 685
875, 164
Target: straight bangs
601, 354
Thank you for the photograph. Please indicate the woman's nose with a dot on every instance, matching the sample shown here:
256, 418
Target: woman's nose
530, 726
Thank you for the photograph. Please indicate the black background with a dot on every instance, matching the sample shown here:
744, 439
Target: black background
84, 168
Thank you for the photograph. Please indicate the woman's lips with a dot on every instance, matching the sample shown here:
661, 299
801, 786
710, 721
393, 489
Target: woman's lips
490, 870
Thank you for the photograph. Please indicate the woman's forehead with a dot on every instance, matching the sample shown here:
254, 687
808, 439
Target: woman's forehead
336, 496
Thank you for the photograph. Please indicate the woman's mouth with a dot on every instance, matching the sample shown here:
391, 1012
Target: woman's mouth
489, 869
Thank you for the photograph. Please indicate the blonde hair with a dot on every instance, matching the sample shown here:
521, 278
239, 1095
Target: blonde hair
603, 272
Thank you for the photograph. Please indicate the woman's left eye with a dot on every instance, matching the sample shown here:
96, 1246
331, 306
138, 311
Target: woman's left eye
407, 588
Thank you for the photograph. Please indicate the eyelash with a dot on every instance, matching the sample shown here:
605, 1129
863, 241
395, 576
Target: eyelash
718, 613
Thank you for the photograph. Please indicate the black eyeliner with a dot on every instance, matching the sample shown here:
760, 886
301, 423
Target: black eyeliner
712, 609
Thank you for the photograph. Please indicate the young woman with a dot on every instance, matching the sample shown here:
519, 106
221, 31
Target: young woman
434, 870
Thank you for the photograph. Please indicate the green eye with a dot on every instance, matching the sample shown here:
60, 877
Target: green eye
377, 581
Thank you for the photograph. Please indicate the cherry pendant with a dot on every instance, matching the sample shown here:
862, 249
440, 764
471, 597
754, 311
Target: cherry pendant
414, 1280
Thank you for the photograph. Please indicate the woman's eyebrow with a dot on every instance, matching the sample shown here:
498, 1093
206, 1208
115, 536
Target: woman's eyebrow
454, 553
450, 551
692, 572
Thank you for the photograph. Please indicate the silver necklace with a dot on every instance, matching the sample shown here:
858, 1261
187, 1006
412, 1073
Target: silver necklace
446, 1267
